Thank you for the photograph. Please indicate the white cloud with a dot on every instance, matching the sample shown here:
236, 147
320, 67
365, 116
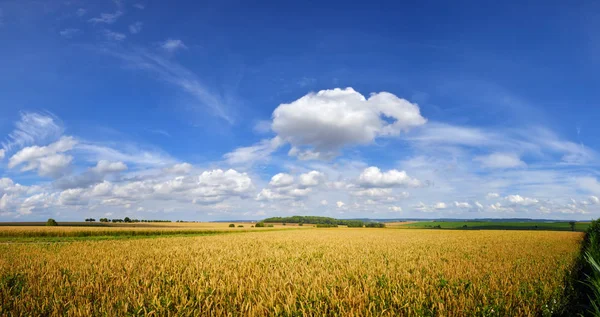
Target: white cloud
373, 192
179, 169
340, 204
281, 180
478, 205
523, 201
47, 160
69, 33
255, 153
324, 202
107, 18
102, 189
139, 6
395, 208
2, 153
500, 160
127, 153
462, 205
105, 167
114, 36
373, 177
594, 200
173, 45
445, 134
32, 128
440, 205
72, 197
498, 207
492, 195
325, 122
589, 184
135, 28
312, 178
80, 12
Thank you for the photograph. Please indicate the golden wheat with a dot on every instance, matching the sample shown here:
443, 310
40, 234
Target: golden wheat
293, 272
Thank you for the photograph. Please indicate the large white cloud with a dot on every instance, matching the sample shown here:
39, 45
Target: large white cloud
312, 178
374, 177
281, 180
322, 123
47, 160
284, 186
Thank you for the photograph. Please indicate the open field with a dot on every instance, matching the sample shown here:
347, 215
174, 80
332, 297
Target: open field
492, 225
13, 233
339, 271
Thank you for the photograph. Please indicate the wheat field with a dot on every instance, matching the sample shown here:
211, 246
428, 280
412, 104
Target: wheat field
338, 271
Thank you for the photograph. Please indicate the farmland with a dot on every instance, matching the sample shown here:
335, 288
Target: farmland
493, 225
302, 270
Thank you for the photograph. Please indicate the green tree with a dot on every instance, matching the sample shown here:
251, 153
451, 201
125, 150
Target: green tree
51, 222
572, 224
231, 225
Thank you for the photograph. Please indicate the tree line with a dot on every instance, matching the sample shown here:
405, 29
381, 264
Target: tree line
325, 221
126, 219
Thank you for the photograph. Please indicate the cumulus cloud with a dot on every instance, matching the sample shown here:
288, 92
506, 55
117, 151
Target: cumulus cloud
47, 160
173, 45
283, 186
312, 178
500, 160
395, 208
440, 205
323, 123
374, 177
594, 200
523, 201
340, 204
281, 180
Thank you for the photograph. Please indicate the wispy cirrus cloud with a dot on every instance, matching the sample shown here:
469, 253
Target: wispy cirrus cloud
136, 27
33, 128
173, 45
107, 18
69, 33
176, 74
114, 36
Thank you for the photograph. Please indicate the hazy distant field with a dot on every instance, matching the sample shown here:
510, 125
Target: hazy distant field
492, 225
292, 272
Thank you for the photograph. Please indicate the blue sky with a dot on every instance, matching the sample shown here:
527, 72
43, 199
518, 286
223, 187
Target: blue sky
218, 110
